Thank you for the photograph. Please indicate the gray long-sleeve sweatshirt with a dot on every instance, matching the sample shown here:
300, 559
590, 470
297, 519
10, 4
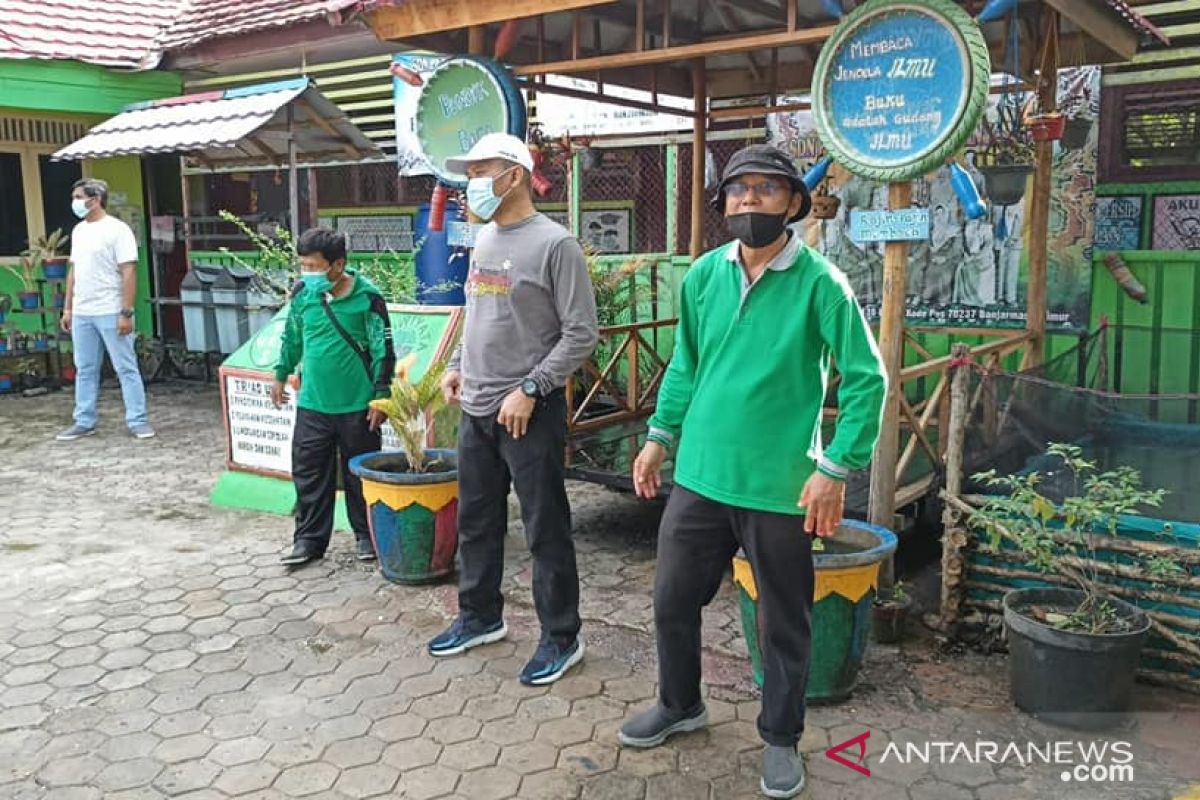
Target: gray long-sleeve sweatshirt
531, 312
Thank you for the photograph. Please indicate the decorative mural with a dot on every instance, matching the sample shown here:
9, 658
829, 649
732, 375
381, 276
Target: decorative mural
969, 273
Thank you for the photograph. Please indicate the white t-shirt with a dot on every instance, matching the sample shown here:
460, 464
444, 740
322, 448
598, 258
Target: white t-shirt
97, 251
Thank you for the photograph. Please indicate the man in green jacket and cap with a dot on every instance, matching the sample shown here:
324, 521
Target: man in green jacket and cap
762, 319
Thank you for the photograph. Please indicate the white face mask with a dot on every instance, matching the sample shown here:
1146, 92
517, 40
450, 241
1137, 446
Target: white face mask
79, 207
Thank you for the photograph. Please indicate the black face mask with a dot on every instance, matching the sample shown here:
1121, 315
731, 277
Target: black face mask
755, 229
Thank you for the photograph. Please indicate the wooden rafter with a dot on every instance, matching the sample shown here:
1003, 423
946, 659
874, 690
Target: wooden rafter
420, 17
327, 126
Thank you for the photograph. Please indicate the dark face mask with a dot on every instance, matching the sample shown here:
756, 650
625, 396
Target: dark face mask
755, 229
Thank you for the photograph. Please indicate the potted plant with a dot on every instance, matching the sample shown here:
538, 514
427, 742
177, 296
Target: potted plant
1073, 652
889, 615
1006, 157
412, 495
50, 249
6, 382
26, 271
1077, 113
846, 572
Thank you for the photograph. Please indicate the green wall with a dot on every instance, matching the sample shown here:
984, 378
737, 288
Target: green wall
72, 88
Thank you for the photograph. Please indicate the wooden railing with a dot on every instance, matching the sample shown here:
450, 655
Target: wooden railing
620, 383
920, 420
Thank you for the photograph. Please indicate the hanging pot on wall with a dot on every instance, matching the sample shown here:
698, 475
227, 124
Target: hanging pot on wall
1075, 133
1046, 127
825, 206
1006, 184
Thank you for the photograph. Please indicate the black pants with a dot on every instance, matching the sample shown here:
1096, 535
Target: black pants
489, 459
317, 442
696, 541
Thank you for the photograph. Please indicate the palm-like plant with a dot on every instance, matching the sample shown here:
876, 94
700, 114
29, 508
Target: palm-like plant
408, 406
27, 271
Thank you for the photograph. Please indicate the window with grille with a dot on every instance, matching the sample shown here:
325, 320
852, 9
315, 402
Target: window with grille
1151, 132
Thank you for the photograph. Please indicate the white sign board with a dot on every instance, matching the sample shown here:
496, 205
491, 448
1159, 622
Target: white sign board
260, 435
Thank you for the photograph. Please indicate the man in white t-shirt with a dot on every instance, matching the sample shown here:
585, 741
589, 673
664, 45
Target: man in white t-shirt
101, 288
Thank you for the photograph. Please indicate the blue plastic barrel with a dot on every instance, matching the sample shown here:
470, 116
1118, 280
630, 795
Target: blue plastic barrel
441, 269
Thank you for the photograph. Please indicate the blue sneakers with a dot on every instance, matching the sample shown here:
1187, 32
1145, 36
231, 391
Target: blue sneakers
461, 637
551, 662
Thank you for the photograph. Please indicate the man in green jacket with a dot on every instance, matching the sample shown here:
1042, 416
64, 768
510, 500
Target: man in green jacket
339, 332
761, 322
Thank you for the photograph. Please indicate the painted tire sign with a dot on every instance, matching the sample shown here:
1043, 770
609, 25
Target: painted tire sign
461, 101
900, 86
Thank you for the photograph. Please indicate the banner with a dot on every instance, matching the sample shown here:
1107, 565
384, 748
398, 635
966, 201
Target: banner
967, 273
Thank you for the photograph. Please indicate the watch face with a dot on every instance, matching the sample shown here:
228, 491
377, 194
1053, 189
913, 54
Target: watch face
530, 388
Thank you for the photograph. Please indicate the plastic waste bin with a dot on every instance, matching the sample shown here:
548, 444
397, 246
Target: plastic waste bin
229, 296
199, 315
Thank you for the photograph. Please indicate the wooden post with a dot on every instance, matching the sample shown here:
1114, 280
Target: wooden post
1039, 204
954, 536
476, 39
882, 504
700, 93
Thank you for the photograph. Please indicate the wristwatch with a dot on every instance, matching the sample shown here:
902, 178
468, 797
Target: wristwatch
127, 313
530, 388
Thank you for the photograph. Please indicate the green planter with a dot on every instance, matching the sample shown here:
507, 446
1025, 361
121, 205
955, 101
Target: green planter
847, 574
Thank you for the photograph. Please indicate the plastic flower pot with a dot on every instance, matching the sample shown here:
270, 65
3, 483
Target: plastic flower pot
413, 516
1006, 184
1080, 680
6, 383
847, 576
1046, 127
60, 300
55, 269
68, 374
1075, 134
29, 300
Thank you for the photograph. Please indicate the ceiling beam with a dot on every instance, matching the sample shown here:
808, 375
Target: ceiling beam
418, 17
1101, 24
686, 52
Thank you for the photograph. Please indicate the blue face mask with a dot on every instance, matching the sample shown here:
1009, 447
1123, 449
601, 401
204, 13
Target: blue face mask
482, 198
79, 207
317, 281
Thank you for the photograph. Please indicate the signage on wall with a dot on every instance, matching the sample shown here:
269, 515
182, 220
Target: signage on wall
906, 225
900, 86
1176, 222
1118, 223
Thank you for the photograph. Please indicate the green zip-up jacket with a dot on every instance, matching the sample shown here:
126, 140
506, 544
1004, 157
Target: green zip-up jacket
333, 378
743, 395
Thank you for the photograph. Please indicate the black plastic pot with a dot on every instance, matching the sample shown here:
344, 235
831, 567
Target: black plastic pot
1069, 678
889, 620
1076, 133
1006, 184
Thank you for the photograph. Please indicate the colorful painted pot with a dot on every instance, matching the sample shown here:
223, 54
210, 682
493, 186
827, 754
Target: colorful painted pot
55, 269
413, 517
847, 576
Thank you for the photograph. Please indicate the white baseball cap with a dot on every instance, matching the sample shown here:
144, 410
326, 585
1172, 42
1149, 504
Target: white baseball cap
493, 145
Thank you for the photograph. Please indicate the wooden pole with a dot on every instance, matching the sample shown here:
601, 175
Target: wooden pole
476, 39
1039, 204
954, 537
882, 505
700, 93
293, 178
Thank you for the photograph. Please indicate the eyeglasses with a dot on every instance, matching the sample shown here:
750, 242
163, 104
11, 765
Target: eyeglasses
763, 189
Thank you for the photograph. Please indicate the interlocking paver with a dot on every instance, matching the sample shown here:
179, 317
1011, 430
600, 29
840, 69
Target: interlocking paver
425, 783
449, 730
354, 752
367, 781
188, 777
246, 778
130, 774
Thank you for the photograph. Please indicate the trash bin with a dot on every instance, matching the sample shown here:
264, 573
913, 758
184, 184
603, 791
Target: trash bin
199, 315
441, 269
229, 296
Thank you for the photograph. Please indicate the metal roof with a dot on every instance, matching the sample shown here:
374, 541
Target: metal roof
200, 20
114, 33
243, 128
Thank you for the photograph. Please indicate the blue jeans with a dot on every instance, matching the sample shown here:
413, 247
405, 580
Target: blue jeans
91, 337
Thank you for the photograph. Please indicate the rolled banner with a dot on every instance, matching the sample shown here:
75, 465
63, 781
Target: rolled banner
967, 191
817, 174
1124, 277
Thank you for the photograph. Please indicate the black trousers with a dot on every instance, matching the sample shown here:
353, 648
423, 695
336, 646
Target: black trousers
319, 442
696, 541
489, 461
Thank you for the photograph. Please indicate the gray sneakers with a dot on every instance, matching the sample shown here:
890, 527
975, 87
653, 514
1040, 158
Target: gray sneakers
142, 431
653, 727
782, 772
75, 432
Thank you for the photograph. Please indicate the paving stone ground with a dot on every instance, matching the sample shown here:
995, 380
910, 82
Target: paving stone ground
151, 647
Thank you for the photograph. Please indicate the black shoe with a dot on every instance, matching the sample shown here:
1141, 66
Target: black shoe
365, 551
653, 727
299, 556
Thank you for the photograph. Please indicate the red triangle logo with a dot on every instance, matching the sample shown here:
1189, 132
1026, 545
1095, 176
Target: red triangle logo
859, 764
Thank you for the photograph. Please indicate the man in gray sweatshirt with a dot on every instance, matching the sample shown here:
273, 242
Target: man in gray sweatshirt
530, 324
